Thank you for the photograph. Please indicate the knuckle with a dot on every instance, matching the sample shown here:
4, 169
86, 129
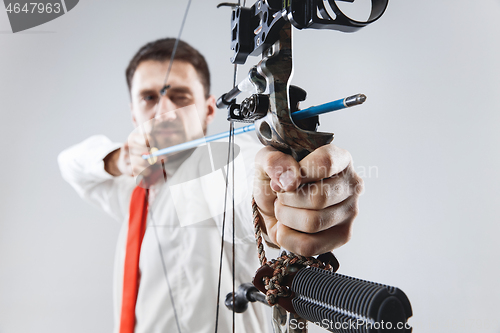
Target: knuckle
260, 174
344, 153
314, 223
263, 155
358, 184
325, 162
353, 209
271, 165
347, 154
336, 188
316, 197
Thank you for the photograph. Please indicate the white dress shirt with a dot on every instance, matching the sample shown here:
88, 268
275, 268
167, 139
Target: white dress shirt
180, 253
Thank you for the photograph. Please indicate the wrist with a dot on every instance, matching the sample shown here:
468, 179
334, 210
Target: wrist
111, 163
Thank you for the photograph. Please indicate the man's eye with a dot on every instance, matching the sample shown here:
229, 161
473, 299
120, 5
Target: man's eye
180, 98
149, 98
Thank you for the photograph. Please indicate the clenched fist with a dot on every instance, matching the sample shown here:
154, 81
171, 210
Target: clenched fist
128, 159
307, 207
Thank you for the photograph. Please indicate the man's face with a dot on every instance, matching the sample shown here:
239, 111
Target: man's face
182, 114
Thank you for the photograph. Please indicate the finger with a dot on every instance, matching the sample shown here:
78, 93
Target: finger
140, 140
324, 162
136, 150
125, 153
269, 227
125, 165
324, 193
313, 221
272, 165
313, 244
281, 169
144, 130
139, 165
263, 194
139, 146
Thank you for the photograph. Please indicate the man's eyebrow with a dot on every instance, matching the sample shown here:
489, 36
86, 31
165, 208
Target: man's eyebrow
175, 89
147, 91
179, 89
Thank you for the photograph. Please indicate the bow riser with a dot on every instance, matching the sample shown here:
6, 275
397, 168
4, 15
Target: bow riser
277, 129
266, 28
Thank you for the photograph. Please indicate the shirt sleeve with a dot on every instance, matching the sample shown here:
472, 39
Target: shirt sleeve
82, 166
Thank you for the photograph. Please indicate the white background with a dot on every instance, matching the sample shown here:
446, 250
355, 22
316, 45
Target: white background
429, 131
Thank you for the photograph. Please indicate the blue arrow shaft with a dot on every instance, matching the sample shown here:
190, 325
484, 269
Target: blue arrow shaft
319, 109
298, 115
199, 142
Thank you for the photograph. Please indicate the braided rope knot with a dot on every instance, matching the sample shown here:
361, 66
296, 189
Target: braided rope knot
282, 266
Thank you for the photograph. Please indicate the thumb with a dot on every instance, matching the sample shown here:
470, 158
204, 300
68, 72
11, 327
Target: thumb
280, 169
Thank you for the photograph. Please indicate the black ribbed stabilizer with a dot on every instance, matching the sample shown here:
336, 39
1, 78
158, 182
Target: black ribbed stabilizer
344, 304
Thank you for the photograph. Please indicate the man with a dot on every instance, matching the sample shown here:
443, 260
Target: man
176, 287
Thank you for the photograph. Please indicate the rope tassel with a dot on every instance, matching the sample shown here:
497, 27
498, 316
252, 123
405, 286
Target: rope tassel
282, 266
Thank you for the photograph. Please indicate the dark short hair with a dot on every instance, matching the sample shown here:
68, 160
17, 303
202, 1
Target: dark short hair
161, 50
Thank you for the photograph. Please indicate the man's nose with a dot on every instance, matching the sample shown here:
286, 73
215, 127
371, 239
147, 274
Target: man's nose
166, 109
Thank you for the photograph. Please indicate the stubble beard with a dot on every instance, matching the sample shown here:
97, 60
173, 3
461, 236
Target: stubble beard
165, 141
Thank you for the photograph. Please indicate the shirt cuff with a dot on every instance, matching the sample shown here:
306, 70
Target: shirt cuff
100, 148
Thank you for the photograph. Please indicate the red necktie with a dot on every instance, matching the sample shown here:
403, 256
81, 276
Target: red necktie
131, 275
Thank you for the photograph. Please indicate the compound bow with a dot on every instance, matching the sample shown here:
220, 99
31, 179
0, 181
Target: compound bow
305, 288
302, 288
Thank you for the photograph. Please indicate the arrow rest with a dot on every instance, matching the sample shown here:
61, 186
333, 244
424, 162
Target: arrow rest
272, 112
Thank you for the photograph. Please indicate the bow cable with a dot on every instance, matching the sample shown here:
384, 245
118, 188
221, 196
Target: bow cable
230, 157
163, 92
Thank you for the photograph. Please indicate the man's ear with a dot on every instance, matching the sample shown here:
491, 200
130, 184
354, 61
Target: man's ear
211, 108
134, 121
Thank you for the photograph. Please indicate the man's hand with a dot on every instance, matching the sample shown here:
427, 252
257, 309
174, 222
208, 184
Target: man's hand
307, 207
128, 160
